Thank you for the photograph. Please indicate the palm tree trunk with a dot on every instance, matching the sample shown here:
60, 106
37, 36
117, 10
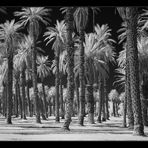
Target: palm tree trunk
42, 111
27, 93
93, 21
9, 82
100, 101
77, 95
124, 110
16, 98
90, 103
128, 96
4, 98
23, 93
132, 16
81, 79
106, 99
49, 108
70, 66
44, 100
103, 103
114, 109
53, 106
19, 98
61, 98
34, 73
57, 84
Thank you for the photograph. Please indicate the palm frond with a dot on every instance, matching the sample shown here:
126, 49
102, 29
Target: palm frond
81, 17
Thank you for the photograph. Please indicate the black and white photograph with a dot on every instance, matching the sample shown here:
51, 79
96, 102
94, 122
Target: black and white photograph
73, 73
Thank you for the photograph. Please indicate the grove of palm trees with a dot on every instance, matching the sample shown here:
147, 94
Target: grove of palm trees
67, 73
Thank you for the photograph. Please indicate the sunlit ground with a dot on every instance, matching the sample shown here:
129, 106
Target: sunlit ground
28, 130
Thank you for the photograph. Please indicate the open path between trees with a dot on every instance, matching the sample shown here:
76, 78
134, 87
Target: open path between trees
28, 130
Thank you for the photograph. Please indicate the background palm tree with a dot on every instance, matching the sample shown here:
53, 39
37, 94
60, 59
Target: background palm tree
9, 35
80, 19
34, 15
56, 33
43, 70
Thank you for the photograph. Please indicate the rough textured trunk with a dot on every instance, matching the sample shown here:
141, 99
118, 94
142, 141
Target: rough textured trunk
124, 111
100, 101
4, 98
61, 99
9, 82
90, 103
53, 106
34, 73
81, 80
19, 99
103, 103
114, 108
77, 95
42, 111
27, 93
134, 69
128, 95
49, 108
144, 110
70, 66
106, 99
44, 100
16, 98
57, 84
23, 93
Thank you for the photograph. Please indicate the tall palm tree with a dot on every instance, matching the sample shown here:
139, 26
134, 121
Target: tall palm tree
56, 33
32, 16
108, 56
9, 35
142, 43
81, 18
43, 70
93, 65
131, 14
23, 59
69, 20
122, 63
62, 71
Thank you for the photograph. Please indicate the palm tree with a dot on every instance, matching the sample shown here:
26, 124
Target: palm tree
62, 71
108, 56
43, 70
34, 15
114, 97
143, 57
23, 59
123, 61
69, 20
9, 35
3, 80
56, 33
81, 18
131, 15
93, 64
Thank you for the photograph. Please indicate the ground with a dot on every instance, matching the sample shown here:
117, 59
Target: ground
28, 130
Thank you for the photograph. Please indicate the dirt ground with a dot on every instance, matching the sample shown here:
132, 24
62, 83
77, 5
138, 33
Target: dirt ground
28, 130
